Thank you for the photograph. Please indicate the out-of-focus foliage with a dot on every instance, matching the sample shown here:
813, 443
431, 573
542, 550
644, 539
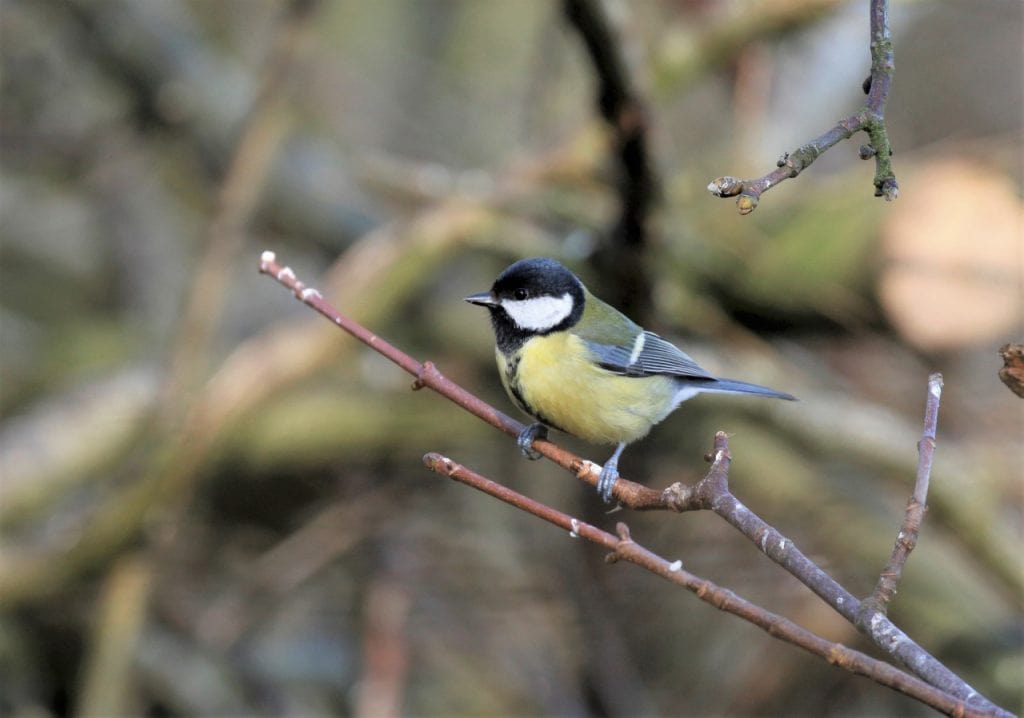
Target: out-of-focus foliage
269, 543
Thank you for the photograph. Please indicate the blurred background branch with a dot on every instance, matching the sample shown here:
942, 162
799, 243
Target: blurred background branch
618, 259
259, 140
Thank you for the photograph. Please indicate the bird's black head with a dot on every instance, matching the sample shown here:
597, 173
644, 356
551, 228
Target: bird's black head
532, 297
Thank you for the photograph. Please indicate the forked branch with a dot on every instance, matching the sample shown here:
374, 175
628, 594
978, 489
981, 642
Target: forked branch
624, 548
869, 119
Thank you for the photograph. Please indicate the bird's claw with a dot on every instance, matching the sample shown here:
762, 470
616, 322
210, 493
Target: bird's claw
606, 481
526, 438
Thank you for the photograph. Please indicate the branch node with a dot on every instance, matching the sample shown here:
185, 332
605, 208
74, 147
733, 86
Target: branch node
678, 497
725, 186
440, 464
623, 532
870, 611
266, 260
583, 468
286, 275
866, 152
835, 655
426, 369
888, 188
746, 203
310, 294
624, 540
722, 459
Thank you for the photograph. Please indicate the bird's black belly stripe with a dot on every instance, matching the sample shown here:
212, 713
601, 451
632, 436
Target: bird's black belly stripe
511, 373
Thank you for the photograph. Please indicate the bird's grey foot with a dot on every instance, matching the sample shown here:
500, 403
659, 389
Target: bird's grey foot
606, 481
610, 474
527, 437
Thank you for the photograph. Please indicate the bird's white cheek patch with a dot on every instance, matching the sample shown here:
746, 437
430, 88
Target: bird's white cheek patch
539, 313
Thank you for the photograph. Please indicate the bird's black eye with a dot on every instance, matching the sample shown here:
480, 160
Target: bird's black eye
520, 294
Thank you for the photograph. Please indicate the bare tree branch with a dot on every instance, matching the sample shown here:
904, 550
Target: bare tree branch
906, 539
624, 548
710, 493
870, 119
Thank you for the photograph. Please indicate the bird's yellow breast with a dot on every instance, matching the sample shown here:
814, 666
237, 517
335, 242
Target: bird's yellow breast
554, 379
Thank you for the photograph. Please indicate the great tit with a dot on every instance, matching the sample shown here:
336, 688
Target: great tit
578, 365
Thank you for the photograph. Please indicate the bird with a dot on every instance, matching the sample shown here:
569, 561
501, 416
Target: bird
576, 364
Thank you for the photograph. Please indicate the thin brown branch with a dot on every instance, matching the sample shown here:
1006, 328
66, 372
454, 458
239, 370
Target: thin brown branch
711, 493
906, 539
869, 119
427, 375
624, 548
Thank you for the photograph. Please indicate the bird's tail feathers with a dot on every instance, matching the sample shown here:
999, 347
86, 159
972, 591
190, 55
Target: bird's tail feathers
732, 386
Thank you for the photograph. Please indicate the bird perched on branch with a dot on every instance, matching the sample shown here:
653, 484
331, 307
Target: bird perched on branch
578, 365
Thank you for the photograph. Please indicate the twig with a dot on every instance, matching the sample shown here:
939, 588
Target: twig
906, 539
711, 493
618, 102
427, 375
1012, 371
870, 119
624, 548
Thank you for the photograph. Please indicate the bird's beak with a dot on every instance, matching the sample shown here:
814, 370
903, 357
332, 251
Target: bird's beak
484, 299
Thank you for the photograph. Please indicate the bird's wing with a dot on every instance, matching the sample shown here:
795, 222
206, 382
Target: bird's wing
648, 355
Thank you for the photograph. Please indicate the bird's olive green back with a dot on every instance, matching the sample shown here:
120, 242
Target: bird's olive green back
603, 324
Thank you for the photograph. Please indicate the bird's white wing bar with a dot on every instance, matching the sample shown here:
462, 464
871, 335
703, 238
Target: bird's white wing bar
648, 355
